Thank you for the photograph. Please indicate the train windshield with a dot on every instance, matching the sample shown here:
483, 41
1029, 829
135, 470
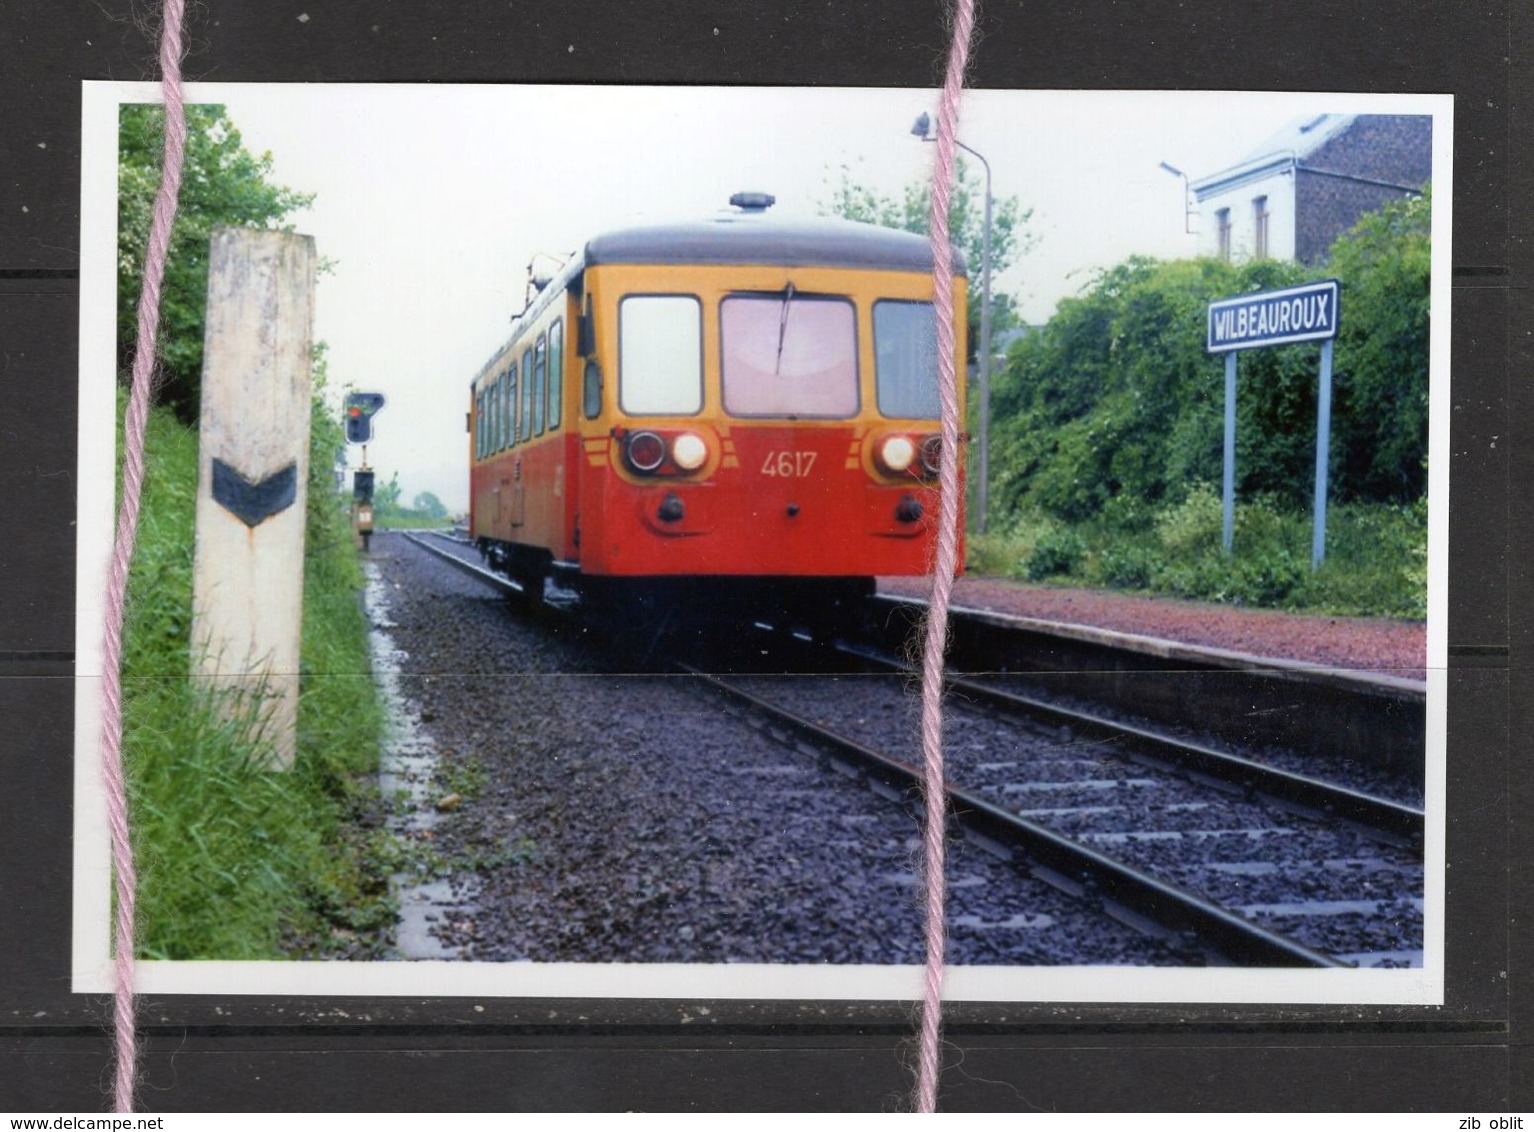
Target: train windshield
905, 359
660, 354
788, 355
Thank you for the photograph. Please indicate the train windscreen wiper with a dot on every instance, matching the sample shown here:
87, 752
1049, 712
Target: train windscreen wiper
788, 297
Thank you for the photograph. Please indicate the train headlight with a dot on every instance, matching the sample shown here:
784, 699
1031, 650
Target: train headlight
932, 454
646, 451
897, 453
689, 452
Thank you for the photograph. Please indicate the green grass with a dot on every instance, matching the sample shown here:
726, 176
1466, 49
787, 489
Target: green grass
238, 862
1375, 562
409, 521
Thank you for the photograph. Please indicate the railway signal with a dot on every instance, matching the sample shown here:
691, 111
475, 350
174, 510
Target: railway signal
360, 409
362, 505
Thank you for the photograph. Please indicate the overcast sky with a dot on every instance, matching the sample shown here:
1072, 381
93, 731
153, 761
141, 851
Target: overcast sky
431, 200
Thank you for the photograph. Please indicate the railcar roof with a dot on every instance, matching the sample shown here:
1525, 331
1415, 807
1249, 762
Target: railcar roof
750, 237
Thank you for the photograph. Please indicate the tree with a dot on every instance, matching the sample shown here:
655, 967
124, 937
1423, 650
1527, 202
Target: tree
911, 212
222, 185
1383, 265
386, 502
429, 506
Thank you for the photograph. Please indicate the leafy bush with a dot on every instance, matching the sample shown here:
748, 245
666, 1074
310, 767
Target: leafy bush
1124, 564
1265, 577
1375, 562
1194, 526
1060, 551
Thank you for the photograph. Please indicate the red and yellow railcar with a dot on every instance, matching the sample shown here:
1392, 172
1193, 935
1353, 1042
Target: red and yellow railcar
738, 406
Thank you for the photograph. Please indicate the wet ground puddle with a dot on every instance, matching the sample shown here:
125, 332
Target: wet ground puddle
407, 768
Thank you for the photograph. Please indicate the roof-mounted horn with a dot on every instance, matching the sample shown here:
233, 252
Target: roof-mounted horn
753, 202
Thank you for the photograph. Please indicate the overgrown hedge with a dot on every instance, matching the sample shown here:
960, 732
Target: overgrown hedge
1114, 408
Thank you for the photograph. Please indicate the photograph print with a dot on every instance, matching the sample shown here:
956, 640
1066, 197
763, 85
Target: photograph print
541, 507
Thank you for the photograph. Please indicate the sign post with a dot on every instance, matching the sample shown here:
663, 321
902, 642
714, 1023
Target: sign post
253, 471
1308, 313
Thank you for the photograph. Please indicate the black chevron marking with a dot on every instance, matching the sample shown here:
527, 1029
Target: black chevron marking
252, 502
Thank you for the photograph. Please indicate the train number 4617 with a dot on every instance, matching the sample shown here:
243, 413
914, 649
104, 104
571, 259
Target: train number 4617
787, 463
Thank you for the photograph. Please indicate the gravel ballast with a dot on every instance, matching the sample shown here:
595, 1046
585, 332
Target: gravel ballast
597, 814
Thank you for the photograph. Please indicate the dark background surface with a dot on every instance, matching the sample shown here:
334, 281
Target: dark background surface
291, 1054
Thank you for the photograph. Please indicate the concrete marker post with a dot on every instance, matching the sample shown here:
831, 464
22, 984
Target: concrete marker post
253, 470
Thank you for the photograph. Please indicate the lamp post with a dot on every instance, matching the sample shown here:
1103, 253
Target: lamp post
1187, 196
922, 129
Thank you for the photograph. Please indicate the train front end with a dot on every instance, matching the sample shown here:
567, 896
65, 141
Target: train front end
760, 410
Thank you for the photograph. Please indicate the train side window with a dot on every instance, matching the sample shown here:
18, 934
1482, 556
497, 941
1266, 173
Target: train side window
660, 355
493, 415
905, 359
479, 425
525, 414
502, 417
511, 405
502, 413
540, 389
494, 407
591, 389
556, 372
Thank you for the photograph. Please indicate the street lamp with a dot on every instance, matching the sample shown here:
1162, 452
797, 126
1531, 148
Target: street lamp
1187, 196
922, 129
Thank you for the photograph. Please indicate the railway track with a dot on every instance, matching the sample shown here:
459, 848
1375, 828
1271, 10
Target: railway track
658, 829
1126, 893
1174, 845
1387, 820
1219, 855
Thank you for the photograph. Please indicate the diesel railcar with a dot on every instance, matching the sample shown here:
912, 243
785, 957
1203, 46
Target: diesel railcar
739, 410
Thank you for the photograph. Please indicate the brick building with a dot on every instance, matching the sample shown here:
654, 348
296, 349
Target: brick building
1309, 183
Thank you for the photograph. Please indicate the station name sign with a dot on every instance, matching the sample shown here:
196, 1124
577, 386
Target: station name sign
1274, 318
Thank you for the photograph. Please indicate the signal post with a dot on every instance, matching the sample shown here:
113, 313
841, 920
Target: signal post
359, 411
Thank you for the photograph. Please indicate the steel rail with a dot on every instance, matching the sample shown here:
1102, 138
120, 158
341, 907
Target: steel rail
1392, 821
1036, 848
489, 577
1379, 815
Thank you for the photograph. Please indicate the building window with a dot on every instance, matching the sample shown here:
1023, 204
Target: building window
1222, 224
1260, 228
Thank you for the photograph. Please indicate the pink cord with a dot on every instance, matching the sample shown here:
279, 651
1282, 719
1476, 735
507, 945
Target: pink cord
929, 1063
122, 553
